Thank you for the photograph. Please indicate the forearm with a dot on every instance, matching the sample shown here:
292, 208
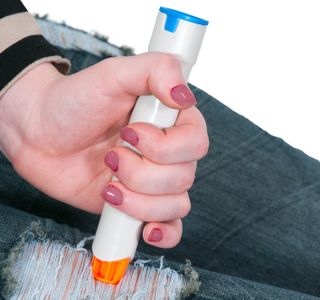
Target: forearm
24, 69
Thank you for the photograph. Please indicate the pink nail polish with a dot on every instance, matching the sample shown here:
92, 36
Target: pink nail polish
112, 160
129, 135
112, 195
183, 95
155, 235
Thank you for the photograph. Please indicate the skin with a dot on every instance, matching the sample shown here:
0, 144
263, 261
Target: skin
57, 129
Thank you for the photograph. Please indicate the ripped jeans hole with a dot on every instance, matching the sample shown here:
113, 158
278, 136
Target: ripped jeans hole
46, 269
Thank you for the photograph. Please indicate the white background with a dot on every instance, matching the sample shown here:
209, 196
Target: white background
260, 58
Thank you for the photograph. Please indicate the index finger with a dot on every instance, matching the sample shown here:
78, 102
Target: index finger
159, 74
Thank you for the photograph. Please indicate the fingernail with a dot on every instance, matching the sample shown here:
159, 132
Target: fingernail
129, 135
155, 235
112, 195
112, 160
183, 95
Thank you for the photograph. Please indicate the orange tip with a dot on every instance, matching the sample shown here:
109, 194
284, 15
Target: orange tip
109, 271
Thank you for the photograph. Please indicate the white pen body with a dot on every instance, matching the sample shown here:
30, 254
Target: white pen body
118, 234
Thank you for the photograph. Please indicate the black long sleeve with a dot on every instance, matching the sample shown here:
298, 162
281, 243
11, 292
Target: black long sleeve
22, 45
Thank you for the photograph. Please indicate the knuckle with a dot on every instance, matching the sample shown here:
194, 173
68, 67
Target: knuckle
167, 63
169, 60
143, 215
131, 179
187, 178
108, 63
202, 147
185, 206
159, 151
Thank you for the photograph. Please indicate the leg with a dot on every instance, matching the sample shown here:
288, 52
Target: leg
248, 191
42, 259
255, 206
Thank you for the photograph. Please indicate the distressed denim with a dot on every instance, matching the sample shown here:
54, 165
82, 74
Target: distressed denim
253, 231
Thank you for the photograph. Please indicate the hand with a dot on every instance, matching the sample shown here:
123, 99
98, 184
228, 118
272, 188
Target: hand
57, 130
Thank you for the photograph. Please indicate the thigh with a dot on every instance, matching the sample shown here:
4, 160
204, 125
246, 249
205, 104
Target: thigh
255, 202
256, 205
40, 258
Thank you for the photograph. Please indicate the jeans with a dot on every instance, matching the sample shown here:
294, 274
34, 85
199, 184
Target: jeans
252, 233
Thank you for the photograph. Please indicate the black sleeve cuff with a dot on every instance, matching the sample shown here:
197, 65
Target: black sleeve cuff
19, 58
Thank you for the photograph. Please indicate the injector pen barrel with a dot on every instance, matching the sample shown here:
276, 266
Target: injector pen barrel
118, 234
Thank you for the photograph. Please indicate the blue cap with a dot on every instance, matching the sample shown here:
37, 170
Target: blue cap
174, 16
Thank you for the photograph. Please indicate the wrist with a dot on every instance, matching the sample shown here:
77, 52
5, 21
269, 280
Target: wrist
19, 106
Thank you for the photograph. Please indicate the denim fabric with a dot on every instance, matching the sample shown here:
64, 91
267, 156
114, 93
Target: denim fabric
254, 226
14, 223
256, 206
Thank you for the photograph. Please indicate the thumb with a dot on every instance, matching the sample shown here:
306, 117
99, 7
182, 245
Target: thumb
150, 73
